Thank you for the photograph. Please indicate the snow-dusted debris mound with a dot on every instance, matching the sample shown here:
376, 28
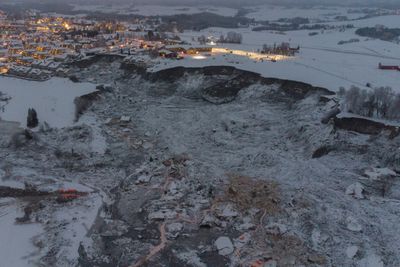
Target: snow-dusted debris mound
190, 182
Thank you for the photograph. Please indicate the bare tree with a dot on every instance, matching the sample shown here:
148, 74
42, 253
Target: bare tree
202, 40
380, 102
231, 37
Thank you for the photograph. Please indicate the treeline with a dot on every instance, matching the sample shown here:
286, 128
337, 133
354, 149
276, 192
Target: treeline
205, 20
267, 26
229, 38
381, 102
382, 33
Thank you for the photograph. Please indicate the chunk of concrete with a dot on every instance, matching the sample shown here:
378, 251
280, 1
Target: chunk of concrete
224, 246
356, 190
351, 252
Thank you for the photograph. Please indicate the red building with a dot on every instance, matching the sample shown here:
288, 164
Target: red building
388, 67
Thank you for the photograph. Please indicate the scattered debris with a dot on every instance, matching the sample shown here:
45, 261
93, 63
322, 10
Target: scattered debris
125, 119
162, 215
356, 190
114, 228
155, 250
242, 240
173, 230
208, 221
143, 178
66, 195
276, 229
227, 211
378, 173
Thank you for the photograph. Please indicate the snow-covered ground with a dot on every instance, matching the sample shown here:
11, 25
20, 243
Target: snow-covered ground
53, 100
271, 13
392, 21
24, 244
98, 143
16, 247
270, 140
155, 10
321, 61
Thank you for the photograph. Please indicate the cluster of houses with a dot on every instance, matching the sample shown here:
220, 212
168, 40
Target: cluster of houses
41, 46
33, 49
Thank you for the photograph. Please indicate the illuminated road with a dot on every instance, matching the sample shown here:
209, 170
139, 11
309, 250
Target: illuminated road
251, 55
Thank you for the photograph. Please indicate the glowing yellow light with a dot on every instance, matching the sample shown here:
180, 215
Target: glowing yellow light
248, 54
199, 57
66, 26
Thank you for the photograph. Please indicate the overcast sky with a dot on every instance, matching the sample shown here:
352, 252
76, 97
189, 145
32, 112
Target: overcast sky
235, 3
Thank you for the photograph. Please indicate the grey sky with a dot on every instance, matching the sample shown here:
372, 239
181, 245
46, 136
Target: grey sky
224, 2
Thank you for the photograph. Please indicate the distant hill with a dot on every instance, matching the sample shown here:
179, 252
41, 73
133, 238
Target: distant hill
230, 3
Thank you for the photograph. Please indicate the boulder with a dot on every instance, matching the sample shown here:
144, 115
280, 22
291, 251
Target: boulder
351, 252
224, 246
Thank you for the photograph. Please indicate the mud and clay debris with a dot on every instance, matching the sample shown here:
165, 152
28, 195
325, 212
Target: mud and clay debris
246, 225
173, 230
247, 193
258, 198
209, 221
191, 258
114, 228
227, 211
242, 240
155, 250
276, 229
143, 178
162, 215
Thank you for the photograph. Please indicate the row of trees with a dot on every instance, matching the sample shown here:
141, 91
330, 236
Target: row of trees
230, 37
380, 102
379, 32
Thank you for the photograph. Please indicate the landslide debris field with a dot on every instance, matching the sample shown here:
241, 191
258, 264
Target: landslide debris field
208, 167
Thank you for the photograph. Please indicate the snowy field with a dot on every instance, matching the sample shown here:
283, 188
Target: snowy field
392, 21
154, 10
271, 13
52, 99
16, 247
321, 61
